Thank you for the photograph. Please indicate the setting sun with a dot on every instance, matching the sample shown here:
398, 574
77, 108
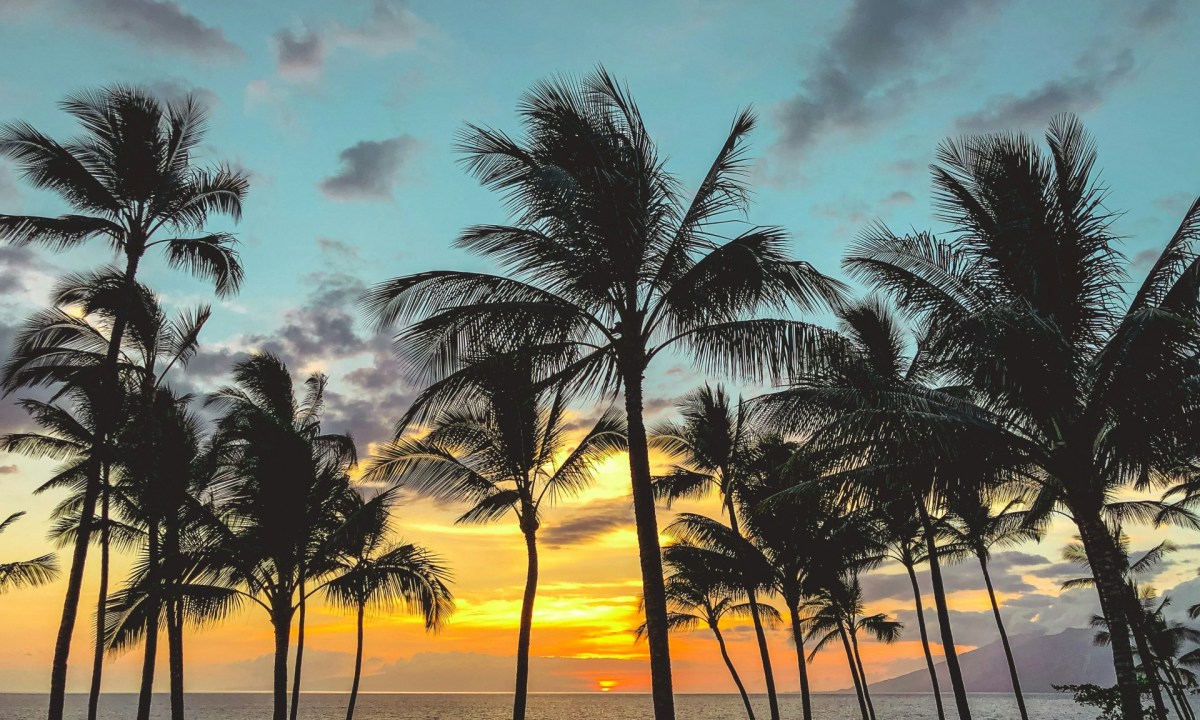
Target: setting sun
606, 685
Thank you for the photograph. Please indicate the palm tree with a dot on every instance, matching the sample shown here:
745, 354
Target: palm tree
130, 180
698, 594
1027, 309
281, 478
587, 182
503, 448
25, 573
977, 528
371, 572
713, 442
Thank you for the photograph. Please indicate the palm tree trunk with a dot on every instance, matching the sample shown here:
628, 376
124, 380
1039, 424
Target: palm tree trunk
101, 601
1110, 587
752, 599
299, 651
737, 680
943, 613
798, 638
281, 619
649, 553
1008, 655
933, 678
531, 579
862, 671
358, 653
66, 626
146, 693
1137, 626
175, 656
858, 685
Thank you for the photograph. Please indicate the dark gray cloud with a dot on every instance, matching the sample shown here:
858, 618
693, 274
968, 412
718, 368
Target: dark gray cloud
299, 56
597, 519
370, 169
1097, 74
1155, 14
162, 25
1006, 569
1145, 259
866, 72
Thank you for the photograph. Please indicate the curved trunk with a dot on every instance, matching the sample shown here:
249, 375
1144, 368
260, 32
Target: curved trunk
862, 672
146, 693
943, 614
1110, 585
737, 680
798, 638
299, 651
281, 619
933, 678
858, 685
1008, 655
358, 653
1136, 616
523, 637
649, 553
760, 634
175, 657
101, 601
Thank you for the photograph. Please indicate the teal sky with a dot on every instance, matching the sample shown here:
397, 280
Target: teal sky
346, 113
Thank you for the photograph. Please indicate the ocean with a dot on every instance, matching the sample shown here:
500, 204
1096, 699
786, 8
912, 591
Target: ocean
589, 706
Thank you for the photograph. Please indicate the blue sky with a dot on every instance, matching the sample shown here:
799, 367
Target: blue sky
345, 114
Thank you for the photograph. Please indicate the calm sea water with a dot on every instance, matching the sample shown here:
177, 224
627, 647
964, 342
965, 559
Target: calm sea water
543, 707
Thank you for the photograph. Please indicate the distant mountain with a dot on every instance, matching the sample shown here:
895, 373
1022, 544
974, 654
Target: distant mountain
1068, 658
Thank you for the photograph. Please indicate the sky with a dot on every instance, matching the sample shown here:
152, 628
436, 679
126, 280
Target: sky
345, 116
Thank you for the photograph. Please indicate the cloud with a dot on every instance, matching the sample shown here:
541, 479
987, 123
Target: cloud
370, 169
161, 25
299, 56
262, 96
176, 89
594, 521
1006, 569
900, 197
390, 28
1097, 74
865, 74
1175, 204
1155, 14
8, 469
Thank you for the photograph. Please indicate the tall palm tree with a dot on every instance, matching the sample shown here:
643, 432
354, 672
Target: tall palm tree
131, 181
1027, 308
25, 573
371, 572
587, 183
504, 448
280, 478
977, 527
713, 441
698, 594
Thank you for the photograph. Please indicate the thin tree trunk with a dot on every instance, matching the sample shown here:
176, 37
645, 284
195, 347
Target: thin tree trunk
862, 672
761, 635
281, 618
358, 653
175, 656
943, 613
933, 678
1109, 586
154, 610
1137, 629
66, 626
649, 553
531, 579
299, 651
101, 601
737, 680
798, 638
858, 685
1008, 654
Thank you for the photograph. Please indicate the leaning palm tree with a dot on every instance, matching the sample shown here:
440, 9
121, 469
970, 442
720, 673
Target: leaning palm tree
1027, 309
698, 595
504, 449
713, 444
977, 527
25, 573
610, 265
131, 181
371, 572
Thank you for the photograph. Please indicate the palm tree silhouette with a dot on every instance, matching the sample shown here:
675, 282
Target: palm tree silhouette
25, 573
372, 572
610, 265
713, 442
503, 446
130, 181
